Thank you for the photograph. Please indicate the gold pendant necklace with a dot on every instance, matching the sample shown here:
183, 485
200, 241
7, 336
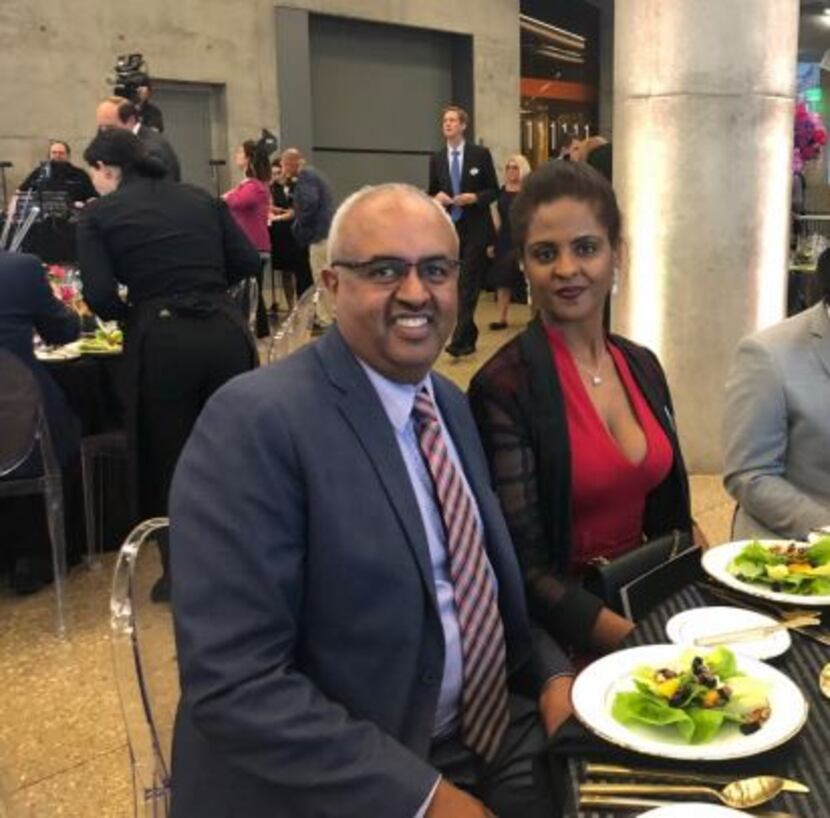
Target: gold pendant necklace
595, 377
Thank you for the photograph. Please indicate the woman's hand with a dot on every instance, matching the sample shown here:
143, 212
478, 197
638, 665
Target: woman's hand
555, 703
610, 629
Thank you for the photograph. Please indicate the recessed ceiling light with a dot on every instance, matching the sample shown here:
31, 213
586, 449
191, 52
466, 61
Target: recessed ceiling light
826, 11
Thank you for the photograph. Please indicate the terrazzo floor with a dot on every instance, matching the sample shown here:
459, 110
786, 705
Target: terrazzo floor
63, 746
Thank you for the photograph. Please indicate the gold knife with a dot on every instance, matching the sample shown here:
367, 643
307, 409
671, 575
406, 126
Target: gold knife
676, 776
749, 634
630, 804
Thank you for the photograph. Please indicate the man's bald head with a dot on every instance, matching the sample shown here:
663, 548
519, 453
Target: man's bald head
390, 195
115, 112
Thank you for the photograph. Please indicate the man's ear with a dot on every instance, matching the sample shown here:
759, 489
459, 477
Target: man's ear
330, 279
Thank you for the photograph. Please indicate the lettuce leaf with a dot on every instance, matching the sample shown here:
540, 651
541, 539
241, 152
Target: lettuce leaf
721, 662
819, 552
637, 707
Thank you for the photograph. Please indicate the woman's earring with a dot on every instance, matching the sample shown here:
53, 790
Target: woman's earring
615, 281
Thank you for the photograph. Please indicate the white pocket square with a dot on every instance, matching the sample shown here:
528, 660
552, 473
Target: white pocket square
473, 171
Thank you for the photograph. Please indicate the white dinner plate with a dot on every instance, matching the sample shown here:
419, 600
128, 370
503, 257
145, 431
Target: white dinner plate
685, 627
818, 534
716, 563
692, 810
595, 687
64, 353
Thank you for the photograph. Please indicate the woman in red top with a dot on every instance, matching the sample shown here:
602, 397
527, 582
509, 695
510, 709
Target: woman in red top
250, 204
577, 424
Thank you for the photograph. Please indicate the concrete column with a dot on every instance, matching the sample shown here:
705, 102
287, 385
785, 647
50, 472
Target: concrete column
703, 118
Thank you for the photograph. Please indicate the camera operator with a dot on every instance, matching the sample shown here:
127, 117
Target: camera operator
118, 112
149, 113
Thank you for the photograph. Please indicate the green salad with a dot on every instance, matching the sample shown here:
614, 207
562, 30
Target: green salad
791, 569
695, 697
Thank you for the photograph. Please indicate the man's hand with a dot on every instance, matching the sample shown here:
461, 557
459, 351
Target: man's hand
555, 703
465, 199
451, 802
443, 199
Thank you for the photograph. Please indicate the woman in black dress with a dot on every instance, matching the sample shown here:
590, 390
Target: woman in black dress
506, 274
286, 254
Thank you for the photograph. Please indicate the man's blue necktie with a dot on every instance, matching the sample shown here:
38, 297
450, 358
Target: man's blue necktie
455, 181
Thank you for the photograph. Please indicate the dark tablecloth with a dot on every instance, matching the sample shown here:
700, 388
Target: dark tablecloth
806, 757
94, 389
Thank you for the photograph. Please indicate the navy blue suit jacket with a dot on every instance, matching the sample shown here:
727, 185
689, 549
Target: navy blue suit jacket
309, 640
27, 304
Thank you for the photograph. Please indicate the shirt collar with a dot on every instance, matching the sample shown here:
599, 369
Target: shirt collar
459, 148
397, 398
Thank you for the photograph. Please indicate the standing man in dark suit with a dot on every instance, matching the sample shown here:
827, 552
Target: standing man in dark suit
462, 179
118, 112
350, 618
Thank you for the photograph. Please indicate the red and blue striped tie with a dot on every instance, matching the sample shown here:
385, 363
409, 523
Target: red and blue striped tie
484, 713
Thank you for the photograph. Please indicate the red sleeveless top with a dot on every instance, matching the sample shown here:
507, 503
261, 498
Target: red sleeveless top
608, 491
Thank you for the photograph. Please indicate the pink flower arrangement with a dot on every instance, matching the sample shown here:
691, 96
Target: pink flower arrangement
810, 136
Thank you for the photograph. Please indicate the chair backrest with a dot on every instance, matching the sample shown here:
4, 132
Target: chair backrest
19, 411
145, 665
246, 295
295, 330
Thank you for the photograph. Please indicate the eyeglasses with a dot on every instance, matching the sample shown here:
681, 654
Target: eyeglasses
391, 270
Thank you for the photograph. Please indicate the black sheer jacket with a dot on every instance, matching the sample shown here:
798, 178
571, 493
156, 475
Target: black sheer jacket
518, 405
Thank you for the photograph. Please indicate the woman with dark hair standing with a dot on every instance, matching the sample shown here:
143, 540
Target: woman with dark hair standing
250, 204
177, 250
577, 423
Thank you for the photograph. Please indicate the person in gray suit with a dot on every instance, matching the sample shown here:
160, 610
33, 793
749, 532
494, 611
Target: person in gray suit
777, 425
118, 112
332, 649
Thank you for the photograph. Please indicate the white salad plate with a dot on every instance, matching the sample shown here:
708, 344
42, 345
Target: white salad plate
818, 534
716, 561
64, 353
695, 623
692, 810
596, 686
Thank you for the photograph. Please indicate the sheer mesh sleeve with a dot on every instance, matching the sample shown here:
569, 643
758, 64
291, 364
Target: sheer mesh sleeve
562, 606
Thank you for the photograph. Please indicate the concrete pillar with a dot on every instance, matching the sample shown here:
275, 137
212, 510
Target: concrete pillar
703, 118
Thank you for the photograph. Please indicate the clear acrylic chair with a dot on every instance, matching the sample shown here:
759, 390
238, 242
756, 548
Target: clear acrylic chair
26, 440
246, 294
295, 330
146, 669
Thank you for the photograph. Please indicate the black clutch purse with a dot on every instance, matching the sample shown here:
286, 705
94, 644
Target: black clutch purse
607, 578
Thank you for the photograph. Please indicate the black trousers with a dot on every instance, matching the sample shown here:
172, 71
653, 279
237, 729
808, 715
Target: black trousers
184, 360
520, 781
471, 275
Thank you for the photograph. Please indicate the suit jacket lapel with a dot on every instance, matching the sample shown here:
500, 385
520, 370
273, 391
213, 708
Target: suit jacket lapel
820, 330
363, 411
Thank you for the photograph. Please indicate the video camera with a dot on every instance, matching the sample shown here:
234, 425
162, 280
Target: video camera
130, 74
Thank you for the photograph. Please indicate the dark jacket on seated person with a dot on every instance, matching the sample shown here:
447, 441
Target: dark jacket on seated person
27, 304
518, 405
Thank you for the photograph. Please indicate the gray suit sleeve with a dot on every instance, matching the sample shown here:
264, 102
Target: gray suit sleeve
239, 528
755, 446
